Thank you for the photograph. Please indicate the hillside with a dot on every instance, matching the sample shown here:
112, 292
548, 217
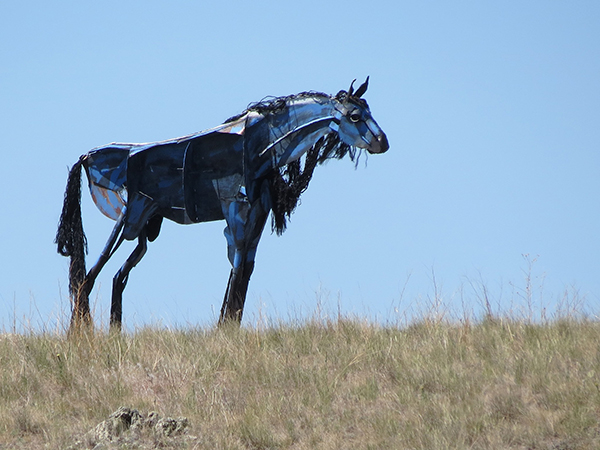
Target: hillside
493, 384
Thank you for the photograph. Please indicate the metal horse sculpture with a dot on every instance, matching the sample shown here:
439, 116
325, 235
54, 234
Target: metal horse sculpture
239, 171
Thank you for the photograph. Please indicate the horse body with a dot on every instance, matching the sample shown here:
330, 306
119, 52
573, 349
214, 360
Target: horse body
167, 175
238, 171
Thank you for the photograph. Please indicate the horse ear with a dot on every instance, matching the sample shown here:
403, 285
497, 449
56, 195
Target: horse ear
362, 89
351, 89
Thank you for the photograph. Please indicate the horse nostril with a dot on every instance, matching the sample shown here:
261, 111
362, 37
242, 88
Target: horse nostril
383, 143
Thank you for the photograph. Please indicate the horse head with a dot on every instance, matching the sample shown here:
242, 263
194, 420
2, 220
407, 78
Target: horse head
357, 127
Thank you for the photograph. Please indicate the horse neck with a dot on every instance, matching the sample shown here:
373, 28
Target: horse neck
296, 128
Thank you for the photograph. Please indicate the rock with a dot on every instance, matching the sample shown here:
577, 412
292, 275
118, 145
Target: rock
129, 426
117, 423
171, 427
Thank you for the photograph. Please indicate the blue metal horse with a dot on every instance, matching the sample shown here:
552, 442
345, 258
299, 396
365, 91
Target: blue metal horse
238, 171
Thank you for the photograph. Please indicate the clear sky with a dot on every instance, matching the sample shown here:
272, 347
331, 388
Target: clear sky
492, 110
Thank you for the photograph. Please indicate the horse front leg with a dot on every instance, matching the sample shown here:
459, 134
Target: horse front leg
235, 294
245, 224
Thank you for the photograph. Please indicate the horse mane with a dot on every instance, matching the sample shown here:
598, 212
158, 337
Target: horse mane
269, 105
287, 183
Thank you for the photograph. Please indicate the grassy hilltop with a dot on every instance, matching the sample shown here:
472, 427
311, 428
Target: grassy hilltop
327, 384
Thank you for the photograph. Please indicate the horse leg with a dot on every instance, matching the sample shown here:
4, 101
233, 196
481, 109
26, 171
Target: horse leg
81, 307
235, 295
120, 280
245, 226
109, 249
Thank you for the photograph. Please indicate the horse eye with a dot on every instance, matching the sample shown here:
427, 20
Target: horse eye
354, 117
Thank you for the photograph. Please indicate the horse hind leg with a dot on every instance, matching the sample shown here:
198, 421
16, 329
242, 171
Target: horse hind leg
120, 280
110, 248
81, 308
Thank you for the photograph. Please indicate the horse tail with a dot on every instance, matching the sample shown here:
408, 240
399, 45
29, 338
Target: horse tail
70, 238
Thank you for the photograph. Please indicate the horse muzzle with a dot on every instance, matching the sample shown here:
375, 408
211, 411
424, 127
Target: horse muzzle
379, 144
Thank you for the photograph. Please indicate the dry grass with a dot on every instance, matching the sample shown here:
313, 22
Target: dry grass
324, 384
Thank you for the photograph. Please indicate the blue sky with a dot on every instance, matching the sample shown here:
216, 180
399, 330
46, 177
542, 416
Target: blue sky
492, 111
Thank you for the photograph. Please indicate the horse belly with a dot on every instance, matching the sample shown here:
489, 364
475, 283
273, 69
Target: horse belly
202, 203
212, 175
155, 184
